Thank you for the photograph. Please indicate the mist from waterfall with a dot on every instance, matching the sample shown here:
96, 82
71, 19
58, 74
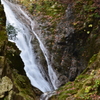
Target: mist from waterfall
24, 27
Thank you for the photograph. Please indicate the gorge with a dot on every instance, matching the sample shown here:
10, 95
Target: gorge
54, 50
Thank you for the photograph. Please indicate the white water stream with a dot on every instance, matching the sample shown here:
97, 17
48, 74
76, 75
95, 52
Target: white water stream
24, 26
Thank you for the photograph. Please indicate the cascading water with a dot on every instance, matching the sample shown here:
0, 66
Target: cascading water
24, 29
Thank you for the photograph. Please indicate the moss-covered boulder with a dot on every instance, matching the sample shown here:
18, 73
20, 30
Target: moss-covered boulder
6, 86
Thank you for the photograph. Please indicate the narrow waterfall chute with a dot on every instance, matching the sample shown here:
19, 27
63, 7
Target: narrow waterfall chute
24, 28
52, 74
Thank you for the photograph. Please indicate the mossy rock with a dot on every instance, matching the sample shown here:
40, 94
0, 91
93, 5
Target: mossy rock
85, 87
6, 85
24, 87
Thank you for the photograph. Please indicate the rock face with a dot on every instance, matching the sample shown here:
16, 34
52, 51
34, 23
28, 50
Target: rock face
71, 43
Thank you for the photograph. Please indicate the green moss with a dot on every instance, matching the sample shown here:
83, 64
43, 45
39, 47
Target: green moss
23, 85
47, 7
3, 35
81, 76
62, 97
93, 58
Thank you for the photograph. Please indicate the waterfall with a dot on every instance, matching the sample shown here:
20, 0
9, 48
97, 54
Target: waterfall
22, 30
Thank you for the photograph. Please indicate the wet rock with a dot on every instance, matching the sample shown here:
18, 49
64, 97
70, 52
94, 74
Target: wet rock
62, 80
73, 71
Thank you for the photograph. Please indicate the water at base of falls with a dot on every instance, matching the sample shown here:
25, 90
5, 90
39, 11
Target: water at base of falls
47, 95
24, 30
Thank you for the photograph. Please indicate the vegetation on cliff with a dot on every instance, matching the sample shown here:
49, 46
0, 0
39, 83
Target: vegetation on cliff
86, 27
85, 87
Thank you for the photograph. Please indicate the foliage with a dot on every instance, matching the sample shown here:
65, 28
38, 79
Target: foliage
11, 31
49, 8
